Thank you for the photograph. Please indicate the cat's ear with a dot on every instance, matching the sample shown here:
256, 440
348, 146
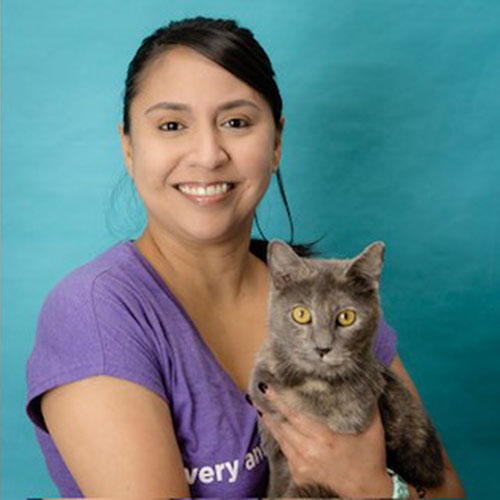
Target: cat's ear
369, 262
284, 264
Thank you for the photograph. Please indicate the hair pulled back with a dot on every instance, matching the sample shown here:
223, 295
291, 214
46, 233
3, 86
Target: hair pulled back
220, 40
235, 49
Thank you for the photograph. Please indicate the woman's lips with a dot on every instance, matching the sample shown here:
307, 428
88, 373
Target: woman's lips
206, 193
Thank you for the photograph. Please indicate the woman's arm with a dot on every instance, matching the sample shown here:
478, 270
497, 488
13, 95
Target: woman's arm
116, 438
452, 487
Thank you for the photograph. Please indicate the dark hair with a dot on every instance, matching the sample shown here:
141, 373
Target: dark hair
236, 50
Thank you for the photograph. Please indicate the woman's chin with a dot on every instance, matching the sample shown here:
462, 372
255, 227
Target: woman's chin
213, 233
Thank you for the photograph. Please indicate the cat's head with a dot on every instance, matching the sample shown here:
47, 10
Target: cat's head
324, 313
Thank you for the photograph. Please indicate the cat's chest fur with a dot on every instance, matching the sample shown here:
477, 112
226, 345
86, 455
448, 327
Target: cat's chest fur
345, 404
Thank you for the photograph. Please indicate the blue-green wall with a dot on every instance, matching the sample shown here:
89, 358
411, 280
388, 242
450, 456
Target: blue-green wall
392, 132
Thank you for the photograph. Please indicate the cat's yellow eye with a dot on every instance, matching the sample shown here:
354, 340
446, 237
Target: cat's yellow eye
346, 317
301, 315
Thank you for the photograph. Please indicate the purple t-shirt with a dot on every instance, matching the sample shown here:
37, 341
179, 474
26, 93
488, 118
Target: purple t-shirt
116, 316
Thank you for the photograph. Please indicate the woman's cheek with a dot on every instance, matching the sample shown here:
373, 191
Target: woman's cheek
260, 160
156, 168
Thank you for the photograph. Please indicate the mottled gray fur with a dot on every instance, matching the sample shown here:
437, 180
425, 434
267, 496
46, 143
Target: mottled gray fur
344, 386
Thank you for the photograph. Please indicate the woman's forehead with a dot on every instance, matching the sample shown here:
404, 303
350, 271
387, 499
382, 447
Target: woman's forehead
181, 74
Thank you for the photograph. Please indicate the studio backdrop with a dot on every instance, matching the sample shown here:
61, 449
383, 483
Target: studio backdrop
392, 133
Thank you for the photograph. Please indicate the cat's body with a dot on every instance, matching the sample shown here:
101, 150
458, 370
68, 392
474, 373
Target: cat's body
319, 358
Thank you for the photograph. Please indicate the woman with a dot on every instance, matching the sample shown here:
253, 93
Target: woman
137, 379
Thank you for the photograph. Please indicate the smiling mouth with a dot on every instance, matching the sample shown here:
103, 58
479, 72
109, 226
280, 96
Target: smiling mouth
200, 189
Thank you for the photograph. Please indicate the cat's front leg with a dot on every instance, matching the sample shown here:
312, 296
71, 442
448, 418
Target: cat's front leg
413, 447
279, 474
280, 478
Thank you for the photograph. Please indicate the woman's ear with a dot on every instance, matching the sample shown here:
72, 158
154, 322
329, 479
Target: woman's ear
277, 144
127, 150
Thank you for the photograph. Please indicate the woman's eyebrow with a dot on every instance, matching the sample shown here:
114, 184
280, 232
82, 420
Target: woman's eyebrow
179, 106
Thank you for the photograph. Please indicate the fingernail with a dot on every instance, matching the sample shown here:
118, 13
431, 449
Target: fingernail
249, 399
262, 387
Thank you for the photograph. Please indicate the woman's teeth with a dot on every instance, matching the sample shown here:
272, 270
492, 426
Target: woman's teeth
211, 190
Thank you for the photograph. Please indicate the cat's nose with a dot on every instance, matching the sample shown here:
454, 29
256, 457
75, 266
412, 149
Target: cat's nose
323, 351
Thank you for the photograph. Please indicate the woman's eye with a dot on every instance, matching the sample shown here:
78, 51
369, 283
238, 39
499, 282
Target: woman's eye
237, 123
171, 126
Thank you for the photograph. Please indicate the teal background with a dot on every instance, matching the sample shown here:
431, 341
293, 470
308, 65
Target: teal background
392, 132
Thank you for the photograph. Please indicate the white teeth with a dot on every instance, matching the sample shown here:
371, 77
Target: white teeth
202, 191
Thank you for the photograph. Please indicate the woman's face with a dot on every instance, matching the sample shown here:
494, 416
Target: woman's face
201, 148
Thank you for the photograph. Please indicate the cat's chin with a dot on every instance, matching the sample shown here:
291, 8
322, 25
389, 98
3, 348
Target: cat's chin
333, 368
316, 364
332, 360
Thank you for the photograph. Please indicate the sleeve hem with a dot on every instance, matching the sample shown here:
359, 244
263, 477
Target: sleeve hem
81, 372
386, 343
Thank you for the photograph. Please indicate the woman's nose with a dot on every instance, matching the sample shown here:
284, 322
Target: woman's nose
208, 149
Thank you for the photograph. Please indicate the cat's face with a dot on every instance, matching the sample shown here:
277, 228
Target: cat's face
324, 312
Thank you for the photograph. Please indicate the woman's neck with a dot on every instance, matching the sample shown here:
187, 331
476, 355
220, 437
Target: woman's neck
223, 273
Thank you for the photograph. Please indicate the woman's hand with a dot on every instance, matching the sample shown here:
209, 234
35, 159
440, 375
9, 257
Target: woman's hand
352, 465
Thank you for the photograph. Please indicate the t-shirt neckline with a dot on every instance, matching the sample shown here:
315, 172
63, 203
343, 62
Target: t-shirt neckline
136, 252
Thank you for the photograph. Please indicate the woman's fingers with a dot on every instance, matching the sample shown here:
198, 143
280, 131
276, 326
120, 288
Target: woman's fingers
303, 453
291, 442
290, 429
287, 435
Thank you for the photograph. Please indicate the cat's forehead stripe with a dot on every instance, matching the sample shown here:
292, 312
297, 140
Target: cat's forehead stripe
318, 287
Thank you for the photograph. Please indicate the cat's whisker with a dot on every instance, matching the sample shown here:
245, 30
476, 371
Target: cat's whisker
370, 382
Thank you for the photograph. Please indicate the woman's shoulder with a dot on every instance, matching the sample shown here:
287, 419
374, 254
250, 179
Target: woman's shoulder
69, 311
95, 321
114, 295
116, 267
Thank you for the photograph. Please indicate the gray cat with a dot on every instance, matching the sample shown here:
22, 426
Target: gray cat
319, 356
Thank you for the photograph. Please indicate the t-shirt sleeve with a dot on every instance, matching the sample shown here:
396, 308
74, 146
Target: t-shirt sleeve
385, 342
89, 329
